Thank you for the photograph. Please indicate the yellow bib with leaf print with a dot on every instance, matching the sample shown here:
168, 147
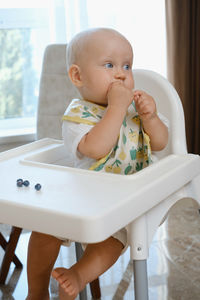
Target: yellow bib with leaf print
132, 151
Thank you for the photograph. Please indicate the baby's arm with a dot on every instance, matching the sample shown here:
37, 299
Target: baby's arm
103, 136
153, 126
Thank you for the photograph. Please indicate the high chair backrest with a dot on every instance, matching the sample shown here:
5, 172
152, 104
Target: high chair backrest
56, 92
168, 103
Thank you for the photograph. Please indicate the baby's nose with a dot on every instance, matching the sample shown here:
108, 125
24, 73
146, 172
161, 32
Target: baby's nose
120, 74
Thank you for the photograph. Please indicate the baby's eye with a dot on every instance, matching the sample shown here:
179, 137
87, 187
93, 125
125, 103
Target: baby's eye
126, 67
109, 65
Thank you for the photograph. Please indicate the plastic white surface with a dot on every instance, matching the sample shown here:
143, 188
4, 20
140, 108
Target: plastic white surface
82, 205
168, 103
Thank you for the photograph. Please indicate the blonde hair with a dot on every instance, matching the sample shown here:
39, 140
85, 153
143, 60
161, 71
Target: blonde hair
78, 43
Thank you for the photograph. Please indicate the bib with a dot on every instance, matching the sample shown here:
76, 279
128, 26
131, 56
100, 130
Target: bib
132, 151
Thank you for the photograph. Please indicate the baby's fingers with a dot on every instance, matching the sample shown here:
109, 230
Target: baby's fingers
138, 93
138, 96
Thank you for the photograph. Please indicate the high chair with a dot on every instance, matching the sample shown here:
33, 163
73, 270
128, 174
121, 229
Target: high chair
139, 201
142, 229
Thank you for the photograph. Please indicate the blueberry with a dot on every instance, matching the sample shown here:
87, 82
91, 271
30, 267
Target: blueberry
26, 183
38, 187
19, 182
19, 179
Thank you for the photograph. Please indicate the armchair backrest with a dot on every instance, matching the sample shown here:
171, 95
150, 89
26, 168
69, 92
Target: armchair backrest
56, 91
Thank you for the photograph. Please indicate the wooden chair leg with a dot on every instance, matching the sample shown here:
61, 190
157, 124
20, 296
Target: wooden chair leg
95, 289
3, 244
9, 255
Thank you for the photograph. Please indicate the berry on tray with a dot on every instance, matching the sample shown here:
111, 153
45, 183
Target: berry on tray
26, 183
38, 187
19, 182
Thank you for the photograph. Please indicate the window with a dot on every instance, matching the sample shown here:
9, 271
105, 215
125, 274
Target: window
27, 28
24, 33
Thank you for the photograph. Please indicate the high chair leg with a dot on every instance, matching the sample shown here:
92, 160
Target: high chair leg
138, 239
140, 279
83, 295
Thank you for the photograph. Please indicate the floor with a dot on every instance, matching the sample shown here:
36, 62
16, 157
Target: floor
173, 264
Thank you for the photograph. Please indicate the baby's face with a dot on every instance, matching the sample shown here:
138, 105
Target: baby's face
108, 58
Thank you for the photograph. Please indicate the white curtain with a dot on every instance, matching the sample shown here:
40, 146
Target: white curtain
142, 22
57, 21
76, 16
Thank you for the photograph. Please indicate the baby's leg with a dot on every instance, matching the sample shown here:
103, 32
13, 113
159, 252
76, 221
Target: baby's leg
42, 253
96, 259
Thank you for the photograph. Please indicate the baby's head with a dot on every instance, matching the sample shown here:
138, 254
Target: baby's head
95, 59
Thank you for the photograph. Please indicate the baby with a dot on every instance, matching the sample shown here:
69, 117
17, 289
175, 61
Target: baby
100, 66
110, 129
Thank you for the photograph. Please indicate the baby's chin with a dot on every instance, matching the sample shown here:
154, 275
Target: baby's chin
99, 101
103, 103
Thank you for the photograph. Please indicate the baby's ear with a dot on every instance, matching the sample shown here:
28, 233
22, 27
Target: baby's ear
75, 76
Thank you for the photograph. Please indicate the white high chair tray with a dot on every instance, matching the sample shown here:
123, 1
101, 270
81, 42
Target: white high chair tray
82, 205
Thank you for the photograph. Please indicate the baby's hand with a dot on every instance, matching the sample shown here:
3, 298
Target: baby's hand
119, 95
145, 105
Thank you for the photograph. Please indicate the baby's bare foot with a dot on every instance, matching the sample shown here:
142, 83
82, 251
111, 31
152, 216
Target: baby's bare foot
69, 281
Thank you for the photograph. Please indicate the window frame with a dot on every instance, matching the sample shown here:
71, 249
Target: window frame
22, 128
